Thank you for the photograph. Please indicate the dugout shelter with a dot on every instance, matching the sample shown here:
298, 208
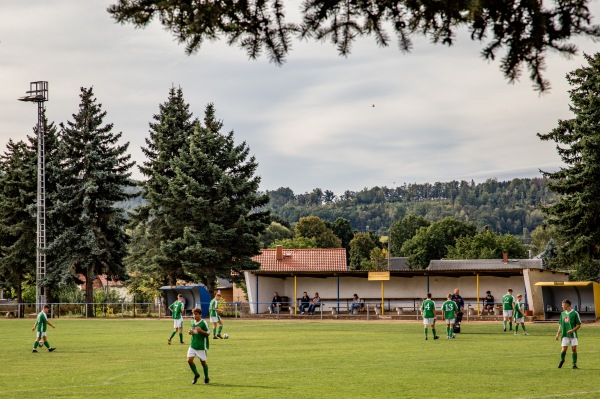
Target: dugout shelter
193, 295
584, 297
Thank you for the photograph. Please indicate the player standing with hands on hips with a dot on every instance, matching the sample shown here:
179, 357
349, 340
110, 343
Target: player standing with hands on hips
508, 305
40, 326
568, 325
200, 332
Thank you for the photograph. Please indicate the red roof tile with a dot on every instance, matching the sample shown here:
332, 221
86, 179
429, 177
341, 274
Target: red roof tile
327, 259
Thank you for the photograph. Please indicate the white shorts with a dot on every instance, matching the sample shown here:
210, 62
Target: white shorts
450, 321
429, 322
40, 334
178, 323
520, 320
215, 319
566, 341
200, 354
507, 313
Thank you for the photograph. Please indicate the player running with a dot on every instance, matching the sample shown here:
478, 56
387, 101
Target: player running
177, 314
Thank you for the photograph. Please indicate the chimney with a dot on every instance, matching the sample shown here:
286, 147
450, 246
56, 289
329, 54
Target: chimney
505, 257
279, 252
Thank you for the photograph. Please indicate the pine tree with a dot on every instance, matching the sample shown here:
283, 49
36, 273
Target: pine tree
18, 199
173, 125
214, 202
578, 143
17, 217
92, 171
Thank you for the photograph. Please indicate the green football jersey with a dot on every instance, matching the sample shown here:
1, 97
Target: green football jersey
212, 308
428, 308
176, 309
518, 310
42, 322
507, 301
568, 321
200, 341
449, 309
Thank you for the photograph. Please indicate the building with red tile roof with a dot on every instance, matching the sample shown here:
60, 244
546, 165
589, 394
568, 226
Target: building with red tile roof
302, 260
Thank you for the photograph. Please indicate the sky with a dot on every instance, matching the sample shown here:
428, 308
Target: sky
378, 117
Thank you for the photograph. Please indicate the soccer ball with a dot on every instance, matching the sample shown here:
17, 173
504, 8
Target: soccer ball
225, 336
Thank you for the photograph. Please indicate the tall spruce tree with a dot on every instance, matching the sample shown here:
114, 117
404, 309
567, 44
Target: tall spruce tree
214, 202
92, 171
17, 217
18, 199
576, 212
169, 132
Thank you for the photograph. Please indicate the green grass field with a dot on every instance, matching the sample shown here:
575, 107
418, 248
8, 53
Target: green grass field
295, 359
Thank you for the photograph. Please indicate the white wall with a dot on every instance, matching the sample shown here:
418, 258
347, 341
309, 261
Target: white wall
403, 288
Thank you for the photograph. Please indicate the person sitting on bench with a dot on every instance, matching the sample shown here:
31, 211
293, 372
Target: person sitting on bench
314, 303
304, 302
488, 303
275, 303
356, 304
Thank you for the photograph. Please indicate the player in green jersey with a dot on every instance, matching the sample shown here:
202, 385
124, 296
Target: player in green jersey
508, 308
40, 328
568, 325
214, 310
177, 314
428, 309
519, 315
449, 309
200, 332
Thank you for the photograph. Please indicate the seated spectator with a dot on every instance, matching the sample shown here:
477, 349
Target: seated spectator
275, 303
356, 304
304, 302
488, 303
314, 303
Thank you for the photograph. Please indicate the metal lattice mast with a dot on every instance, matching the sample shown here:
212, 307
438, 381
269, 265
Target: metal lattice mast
38, 93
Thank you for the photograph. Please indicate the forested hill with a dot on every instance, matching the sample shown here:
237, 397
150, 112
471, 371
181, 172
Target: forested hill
504, 206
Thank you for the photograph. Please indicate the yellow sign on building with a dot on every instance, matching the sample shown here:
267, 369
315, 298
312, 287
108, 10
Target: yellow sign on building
379, 276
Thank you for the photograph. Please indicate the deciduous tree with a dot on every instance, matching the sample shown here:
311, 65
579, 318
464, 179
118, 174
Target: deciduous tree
314, 227
433, 242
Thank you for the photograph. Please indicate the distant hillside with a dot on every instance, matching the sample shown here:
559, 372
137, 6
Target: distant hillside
506, 207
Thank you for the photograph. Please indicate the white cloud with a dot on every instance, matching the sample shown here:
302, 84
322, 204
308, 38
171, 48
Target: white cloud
440, 113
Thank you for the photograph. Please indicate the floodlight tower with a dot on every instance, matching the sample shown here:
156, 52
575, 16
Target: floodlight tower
38, 93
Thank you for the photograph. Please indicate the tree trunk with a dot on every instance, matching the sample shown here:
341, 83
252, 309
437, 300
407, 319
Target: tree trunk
89, 292
19, 292
210, 286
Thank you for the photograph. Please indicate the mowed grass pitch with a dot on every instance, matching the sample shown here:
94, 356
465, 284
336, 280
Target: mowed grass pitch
295, 359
